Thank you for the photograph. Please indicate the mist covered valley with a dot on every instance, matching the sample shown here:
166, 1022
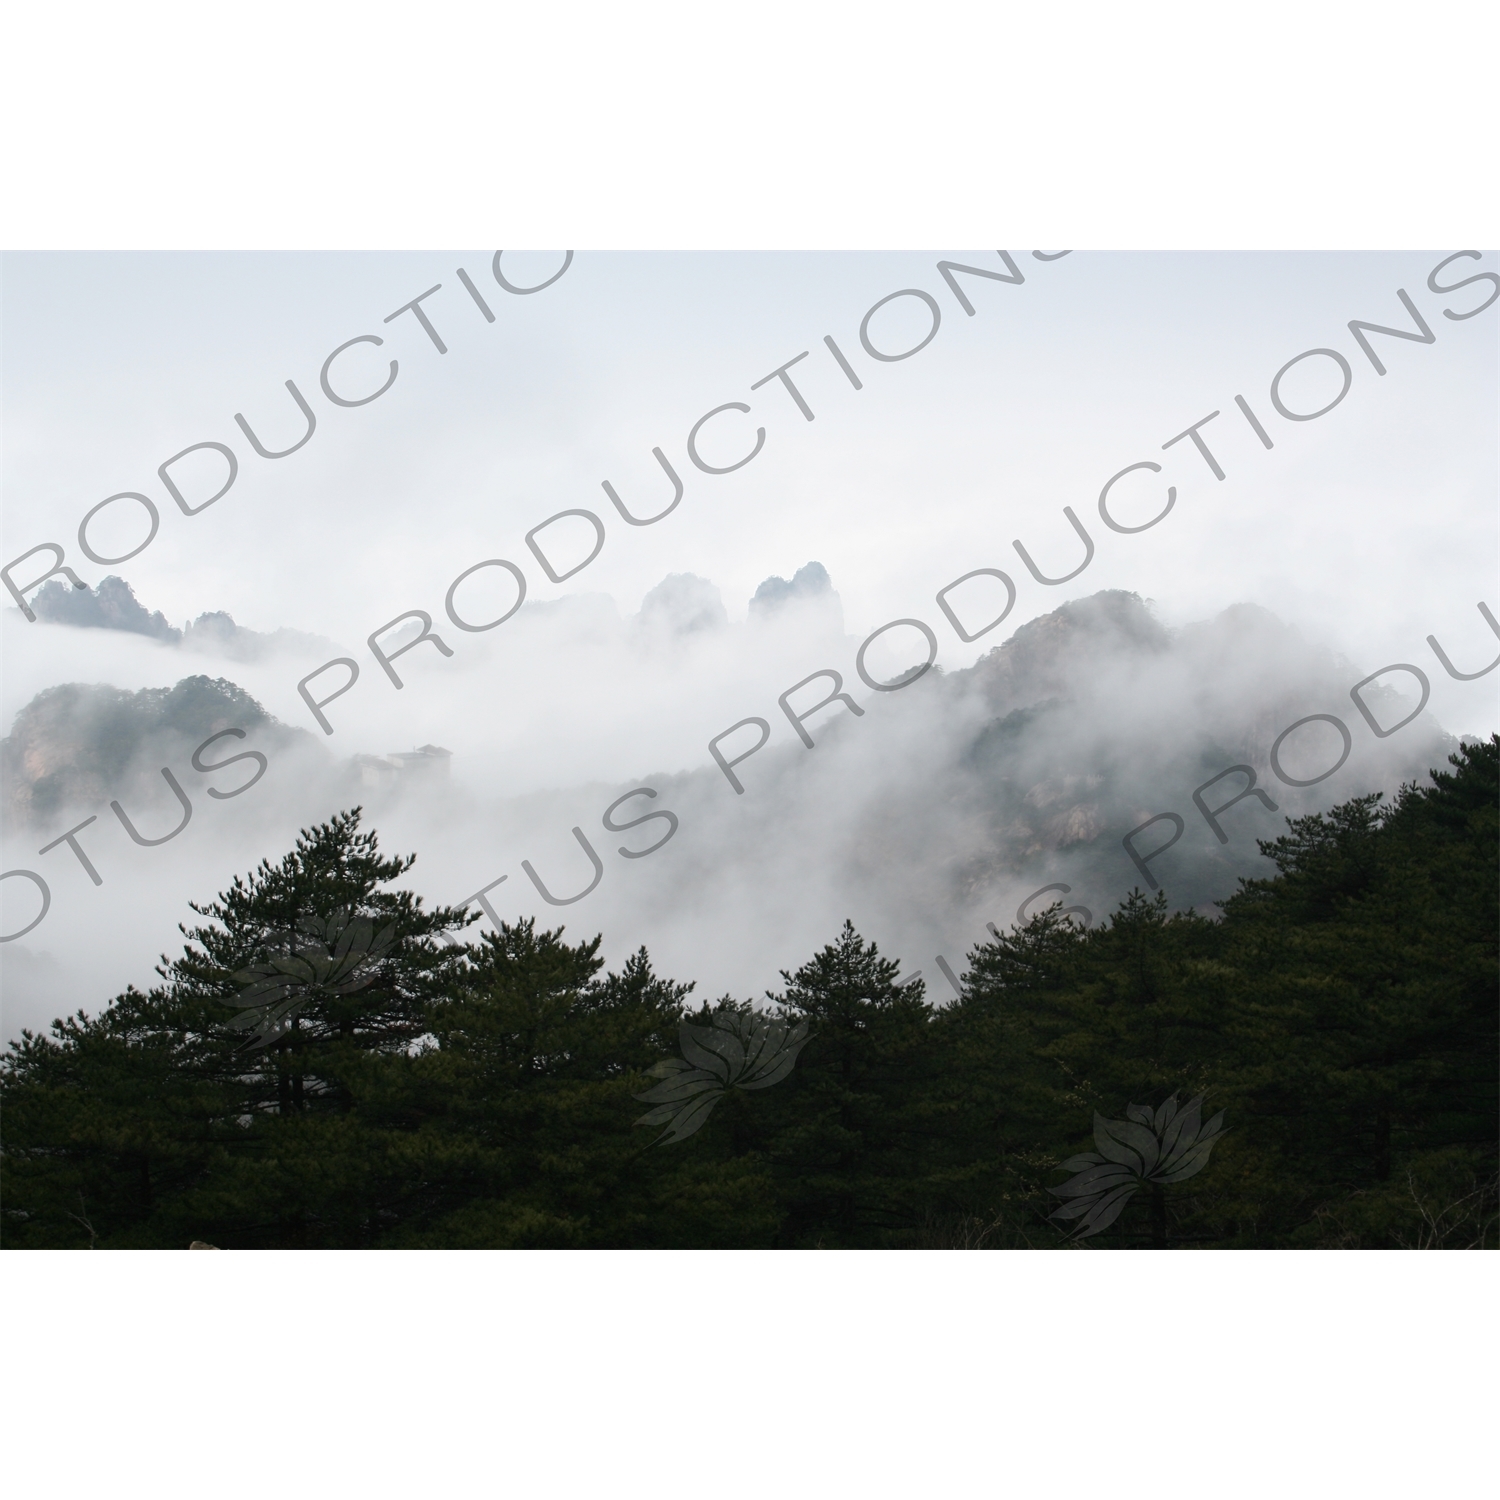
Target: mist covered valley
936, 810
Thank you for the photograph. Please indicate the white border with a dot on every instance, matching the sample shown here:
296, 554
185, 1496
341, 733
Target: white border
790, 124
742, 1374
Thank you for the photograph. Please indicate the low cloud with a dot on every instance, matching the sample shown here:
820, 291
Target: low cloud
934, 812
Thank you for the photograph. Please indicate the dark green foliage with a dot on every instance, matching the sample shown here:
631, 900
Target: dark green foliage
843, 1134
485, 1093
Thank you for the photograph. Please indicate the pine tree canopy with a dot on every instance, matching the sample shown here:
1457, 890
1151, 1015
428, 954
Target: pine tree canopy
331, 1063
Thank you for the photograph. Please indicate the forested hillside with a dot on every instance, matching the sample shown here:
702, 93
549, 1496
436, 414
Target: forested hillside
331, 1063
78, 744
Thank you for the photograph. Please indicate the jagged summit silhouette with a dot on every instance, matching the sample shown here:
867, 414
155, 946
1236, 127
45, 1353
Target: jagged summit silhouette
112, 605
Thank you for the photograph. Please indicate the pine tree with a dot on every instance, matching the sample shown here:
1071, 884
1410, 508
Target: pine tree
312, 958
1366, 1006
537, 1056
176, 1118
844, 1132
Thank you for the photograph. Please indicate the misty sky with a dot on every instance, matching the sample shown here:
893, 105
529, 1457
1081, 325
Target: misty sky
1366, 529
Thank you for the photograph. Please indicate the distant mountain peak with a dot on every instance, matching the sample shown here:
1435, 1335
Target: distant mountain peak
110, 606
683, 604
113, 606
811, 581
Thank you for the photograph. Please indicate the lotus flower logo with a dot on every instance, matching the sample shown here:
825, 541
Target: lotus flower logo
739, 1050
333, 955
1158, 1147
